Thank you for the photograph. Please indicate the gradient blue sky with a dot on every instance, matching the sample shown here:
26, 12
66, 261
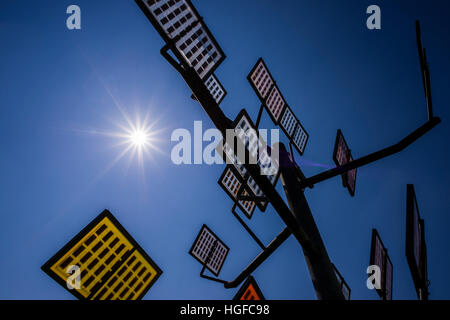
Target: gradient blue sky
59, 87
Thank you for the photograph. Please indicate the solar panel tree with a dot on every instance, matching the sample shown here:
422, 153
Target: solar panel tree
195, 54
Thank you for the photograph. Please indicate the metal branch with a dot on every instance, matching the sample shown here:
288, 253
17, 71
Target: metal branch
211, 278
246, 227
310, 182
258, 119
165, 53
277, 242
425, 71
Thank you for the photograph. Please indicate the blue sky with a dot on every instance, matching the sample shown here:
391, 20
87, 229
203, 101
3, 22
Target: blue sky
60, 88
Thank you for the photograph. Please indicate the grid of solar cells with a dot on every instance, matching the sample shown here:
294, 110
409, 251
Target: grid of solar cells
253, 144
261, 79
249, 291
288, 122
250, 294
203, 247
388, 281
276, 106
251, 183
342, 151
233, 183
379, 254
215, 88
174, 16
128, 282
258, 148
249, 135
275, 103
269, 167
300, 138
351, 178
98, 252
199, 50
380, 258
417, 234
341, 157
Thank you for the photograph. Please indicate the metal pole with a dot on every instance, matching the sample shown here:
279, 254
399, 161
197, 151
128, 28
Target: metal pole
321, 269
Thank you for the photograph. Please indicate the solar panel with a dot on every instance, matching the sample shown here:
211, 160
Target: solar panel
249, 291
179, 24
210, 250
341, 156
415, 242
261, 79
273, 101
113, 266
379, 257
256, 146
231, 182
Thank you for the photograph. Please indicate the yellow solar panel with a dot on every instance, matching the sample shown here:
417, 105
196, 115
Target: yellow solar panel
111, 264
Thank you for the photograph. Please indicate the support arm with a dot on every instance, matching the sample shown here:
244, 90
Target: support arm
310, 182
278, 241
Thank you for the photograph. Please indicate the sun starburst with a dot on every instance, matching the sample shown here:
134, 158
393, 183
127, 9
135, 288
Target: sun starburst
139, 137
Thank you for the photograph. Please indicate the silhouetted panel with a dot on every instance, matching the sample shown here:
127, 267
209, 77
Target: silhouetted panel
379, 257
231, 182
341, 156
415, 243
346, 291
180, 25
249, 291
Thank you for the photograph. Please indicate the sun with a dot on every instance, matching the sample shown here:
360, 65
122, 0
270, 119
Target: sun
139, 138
